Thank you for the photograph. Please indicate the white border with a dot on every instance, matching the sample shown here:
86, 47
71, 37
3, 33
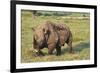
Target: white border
20, 65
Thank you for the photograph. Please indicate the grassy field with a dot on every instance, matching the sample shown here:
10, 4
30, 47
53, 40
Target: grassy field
81, 37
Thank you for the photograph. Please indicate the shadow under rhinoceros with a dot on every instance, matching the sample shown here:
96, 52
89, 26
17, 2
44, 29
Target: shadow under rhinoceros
77, 48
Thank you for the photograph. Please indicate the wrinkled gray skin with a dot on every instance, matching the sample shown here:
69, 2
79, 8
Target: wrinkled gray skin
51, 36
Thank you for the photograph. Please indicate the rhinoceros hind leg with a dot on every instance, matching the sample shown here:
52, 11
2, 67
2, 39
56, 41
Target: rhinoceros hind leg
70, 47
58, 49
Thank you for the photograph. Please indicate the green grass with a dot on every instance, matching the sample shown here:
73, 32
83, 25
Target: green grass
81, 38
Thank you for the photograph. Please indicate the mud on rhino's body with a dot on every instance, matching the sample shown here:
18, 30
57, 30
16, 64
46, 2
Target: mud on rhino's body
51, 36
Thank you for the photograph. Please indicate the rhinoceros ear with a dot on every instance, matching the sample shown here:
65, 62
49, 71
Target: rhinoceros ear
33, 29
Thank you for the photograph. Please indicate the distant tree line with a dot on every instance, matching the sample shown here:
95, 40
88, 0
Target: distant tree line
57, 13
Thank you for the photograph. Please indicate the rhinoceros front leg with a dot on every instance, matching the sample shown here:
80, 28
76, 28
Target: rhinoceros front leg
50, 51
51, 48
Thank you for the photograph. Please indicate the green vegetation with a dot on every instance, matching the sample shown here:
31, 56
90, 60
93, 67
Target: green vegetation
81, 36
